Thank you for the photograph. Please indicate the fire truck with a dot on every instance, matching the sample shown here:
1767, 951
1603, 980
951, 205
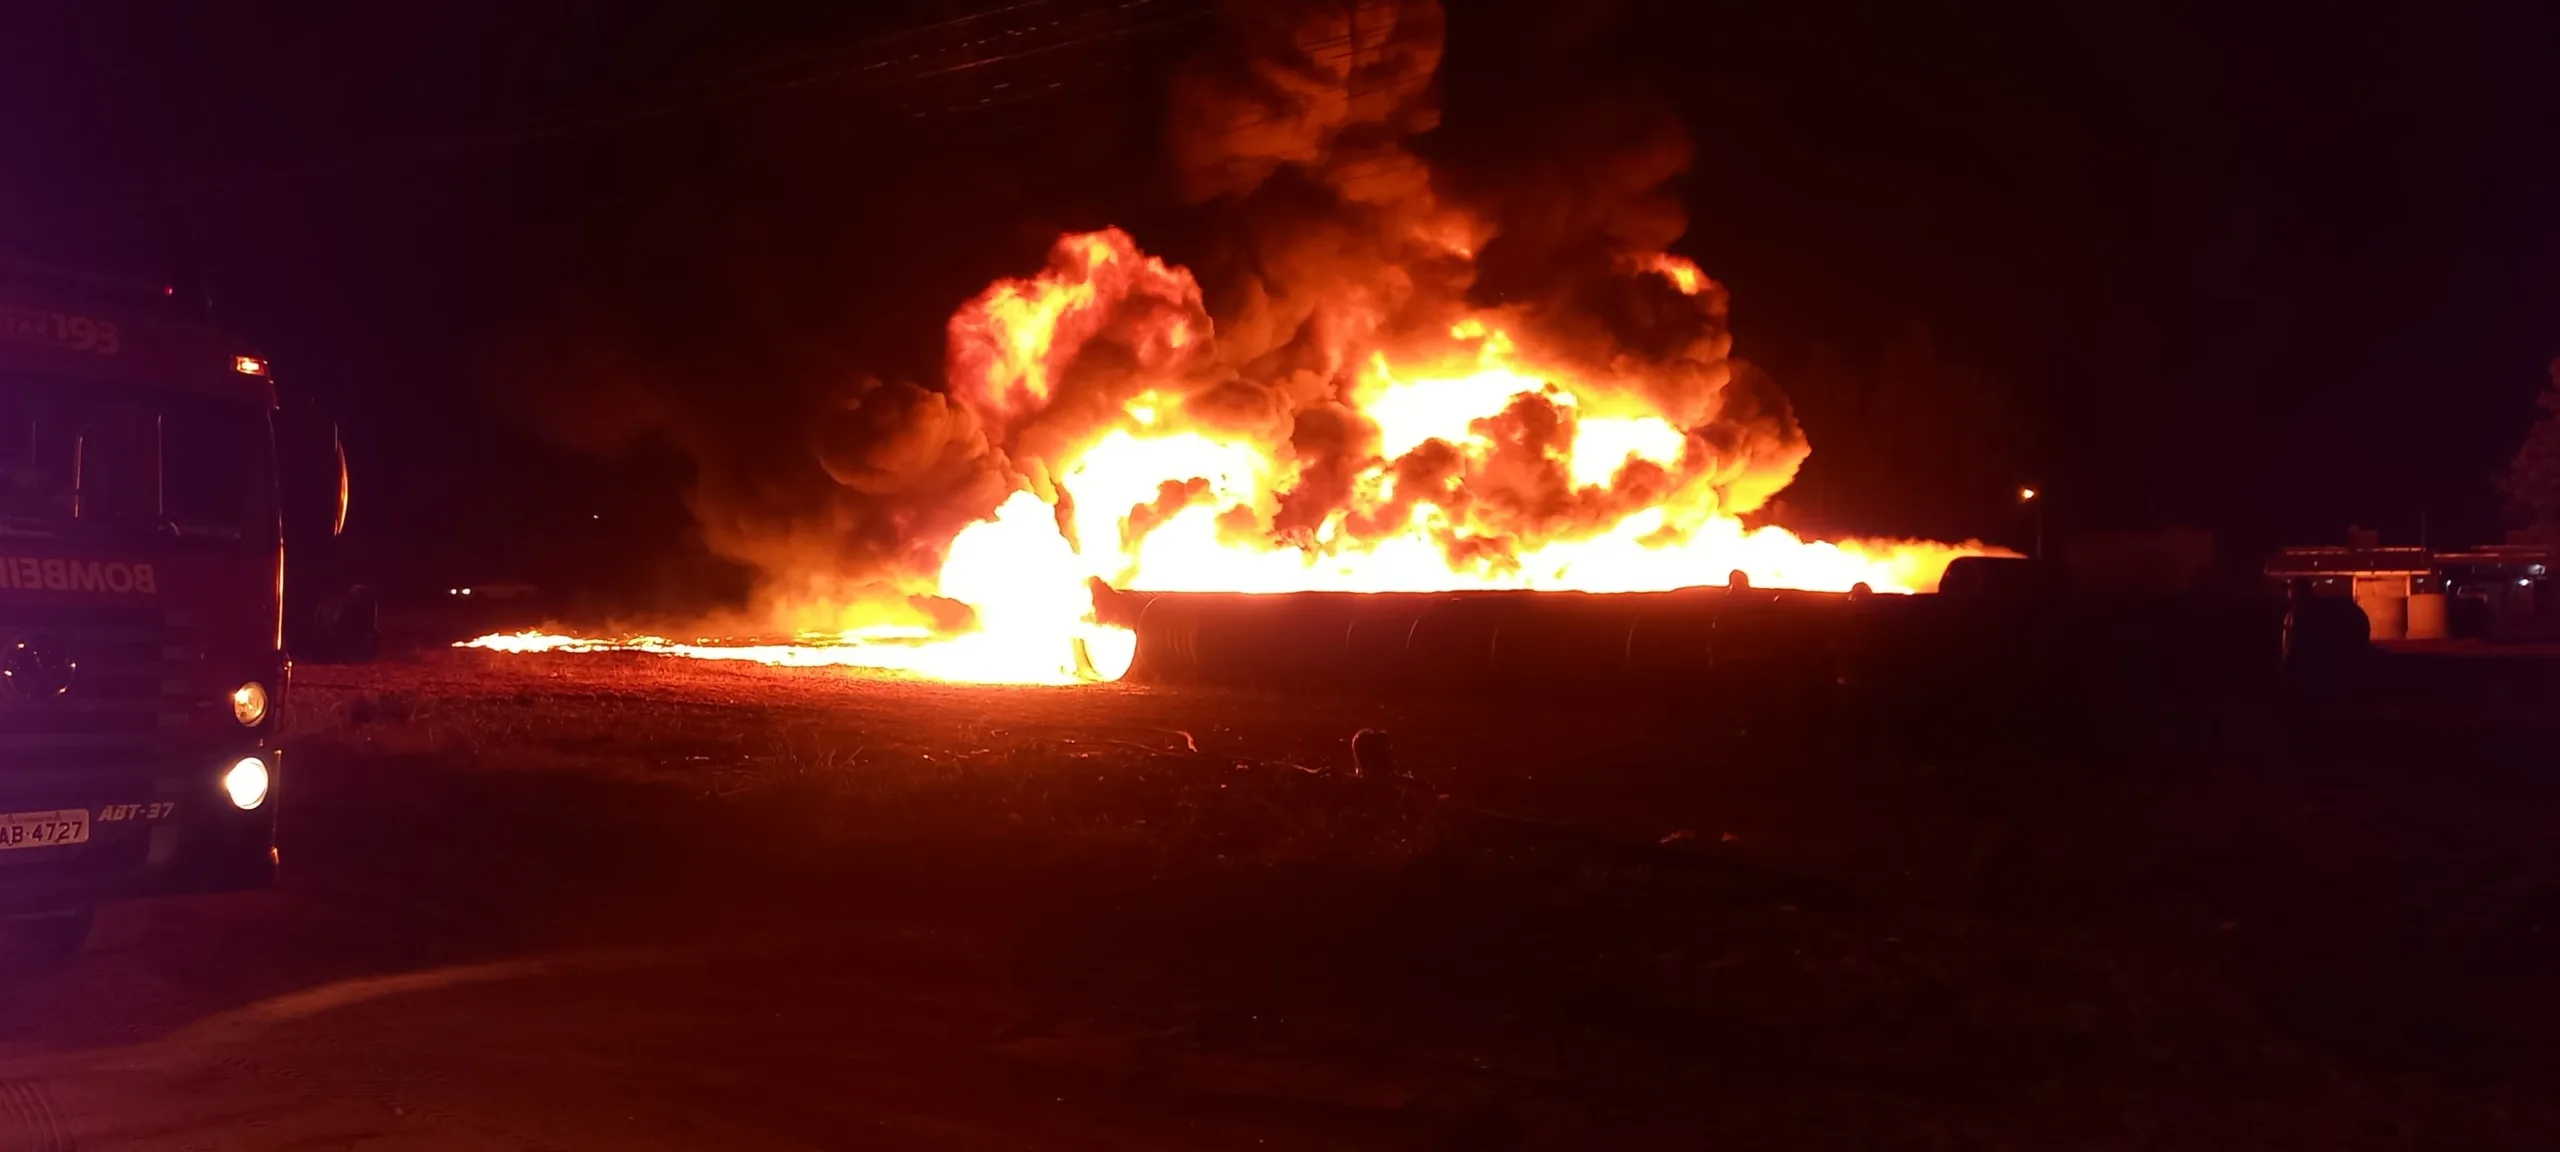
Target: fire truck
151, 479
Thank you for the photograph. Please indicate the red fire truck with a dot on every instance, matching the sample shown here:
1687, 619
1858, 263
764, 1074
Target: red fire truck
146, 498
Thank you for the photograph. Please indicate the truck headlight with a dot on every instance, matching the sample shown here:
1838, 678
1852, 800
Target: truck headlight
247, 783
249, 703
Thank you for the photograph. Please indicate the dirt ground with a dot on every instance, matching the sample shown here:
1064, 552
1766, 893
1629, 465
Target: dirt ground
623, 902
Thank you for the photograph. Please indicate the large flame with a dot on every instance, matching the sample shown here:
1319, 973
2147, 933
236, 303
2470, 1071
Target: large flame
1480, 462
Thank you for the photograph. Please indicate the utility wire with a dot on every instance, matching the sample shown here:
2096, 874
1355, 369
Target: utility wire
1332, 50
1335, 51
877, 80
780, 62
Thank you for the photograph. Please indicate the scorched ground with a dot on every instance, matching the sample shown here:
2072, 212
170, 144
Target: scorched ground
616, 901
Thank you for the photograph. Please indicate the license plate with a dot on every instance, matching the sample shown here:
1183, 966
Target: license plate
44, 829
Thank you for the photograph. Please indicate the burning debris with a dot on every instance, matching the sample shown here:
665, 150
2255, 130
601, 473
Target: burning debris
1393, 389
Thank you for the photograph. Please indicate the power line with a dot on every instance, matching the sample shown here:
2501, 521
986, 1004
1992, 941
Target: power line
897, 34
1322, 51
1333, 50
736, 93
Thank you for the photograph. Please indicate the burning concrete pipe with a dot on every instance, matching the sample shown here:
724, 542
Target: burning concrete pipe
1485, 640
1998, 644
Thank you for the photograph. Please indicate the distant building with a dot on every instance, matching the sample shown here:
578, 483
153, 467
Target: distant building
2499, 591
2510, 585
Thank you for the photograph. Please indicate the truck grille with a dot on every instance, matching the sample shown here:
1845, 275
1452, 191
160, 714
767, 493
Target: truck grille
124, 699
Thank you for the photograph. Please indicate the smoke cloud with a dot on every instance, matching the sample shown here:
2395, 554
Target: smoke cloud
1301, 131
1303, 138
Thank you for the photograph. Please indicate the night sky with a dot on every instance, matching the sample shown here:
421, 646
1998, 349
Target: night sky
2260, 272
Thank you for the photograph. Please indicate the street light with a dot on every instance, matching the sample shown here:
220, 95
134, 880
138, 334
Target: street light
2027, 499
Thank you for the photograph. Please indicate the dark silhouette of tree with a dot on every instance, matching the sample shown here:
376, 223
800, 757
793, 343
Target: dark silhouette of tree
2532, 483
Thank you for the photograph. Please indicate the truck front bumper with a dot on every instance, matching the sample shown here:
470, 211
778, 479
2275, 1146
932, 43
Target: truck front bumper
180, 834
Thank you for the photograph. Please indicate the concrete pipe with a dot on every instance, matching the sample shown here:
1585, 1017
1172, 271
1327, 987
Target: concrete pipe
2428, 616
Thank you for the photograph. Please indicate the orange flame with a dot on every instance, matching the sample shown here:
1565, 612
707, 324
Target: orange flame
1484, 463
1682, 274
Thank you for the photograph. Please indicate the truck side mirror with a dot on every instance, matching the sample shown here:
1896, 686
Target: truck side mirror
338, 448
330, 616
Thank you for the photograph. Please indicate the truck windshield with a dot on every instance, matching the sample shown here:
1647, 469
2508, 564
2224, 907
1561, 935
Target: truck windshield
89, 461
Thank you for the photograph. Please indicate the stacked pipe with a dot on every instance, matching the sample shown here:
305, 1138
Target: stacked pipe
1472, 639
2001, 636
